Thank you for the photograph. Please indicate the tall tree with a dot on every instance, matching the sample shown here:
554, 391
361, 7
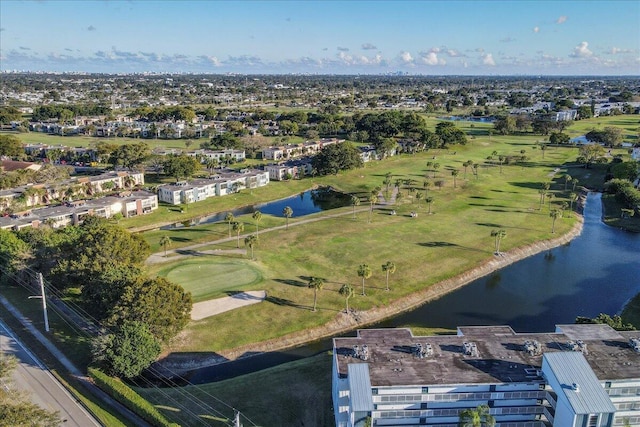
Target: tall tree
257, 217
388, 268
355, 201
287, 212
181, 166
466, 165
238, 227
250, 241
165, 241
429, 201
454, 174
127, 351
372, 199
316, 284
554, 214
347, 292
364, 271
498, 235
544, 188
229, 218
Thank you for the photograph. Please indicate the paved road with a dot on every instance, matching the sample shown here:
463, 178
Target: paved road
32, 377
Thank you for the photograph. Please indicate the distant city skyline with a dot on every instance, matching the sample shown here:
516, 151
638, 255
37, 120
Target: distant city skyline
481, 37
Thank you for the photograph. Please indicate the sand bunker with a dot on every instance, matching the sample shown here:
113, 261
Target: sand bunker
204, 309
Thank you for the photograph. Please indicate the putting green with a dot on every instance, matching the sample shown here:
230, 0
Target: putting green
208, 278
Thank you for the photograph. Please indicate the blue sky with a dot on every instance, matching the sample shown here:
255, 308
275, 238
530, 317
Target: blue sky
323, 37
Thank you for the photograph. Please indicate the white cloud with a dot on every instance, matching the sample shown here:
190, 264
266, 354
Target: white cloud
561, 20
581, 51
406, 57
343, 49
431, 57
368, 46
536, 29
347, 59
487, 59
616, 50
453, 53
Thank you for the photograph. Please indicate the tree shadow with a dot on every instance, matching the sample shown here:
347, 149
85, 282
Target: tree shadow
447, 245
292, 282
489, 224
287, 303
492, 204
479, 197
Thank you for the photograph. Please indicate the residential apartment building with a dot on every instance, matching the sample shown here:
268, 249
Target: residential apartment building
290, 151
288, 170
219, 155
220, 185
577, 376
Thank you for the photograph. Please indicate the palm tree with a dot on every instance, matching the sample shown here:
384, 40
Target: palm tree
229, 218
554, 214
550, 197
499, 235
250, 241
316, 284
543, 191
288, 213
429, 201
575, 183
257, 216
364, 271
347, 292
373, 199
426, 184
238, 227
466, 165
388, 268
419, 197
436, 166
475, 169
572, 198
567, 180
454, 174
478, 417
355, 201
165, 241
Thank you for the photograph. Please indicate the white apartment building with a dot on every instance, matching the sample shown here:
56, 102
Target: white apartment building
577, 376
236, 155
220, 185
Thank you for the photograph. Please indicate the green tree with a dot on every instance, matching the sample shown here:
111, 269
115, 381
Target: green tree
11, 146
257, 217
554, 214
466, 165
16, 409
429, 201
454, 174
567, 180
238, 227
316, 284
543, 192
130, 156
347, 292
355, 201
127, 351
505, 125
287, 212
250, 241
14, 255
388, 268
364, 271
163, 306
335, 158
588, 153
229, 218
181, 166
498, 235
478, 417
559, 138
165, 241
372, 199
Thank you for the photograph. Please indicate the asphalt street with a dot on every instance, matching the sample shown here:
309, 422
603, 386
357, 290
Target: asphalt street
32, 377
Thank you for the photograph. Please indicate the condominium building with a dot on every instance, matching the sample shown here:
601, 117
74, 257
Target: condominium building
578, 376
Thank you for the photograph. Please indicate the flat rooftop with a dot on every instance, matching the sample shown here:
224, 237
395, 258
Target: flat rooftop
501, 356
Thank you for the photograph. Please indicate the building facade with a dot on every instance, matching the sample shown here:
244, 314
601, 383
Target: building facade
577, 376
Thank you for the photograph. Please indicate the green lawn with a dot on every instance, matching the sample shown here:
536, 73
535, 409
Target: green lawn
212, 276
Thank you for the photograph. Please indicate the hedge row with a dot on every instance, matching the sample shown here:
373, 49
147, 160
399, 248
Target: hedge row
129, 398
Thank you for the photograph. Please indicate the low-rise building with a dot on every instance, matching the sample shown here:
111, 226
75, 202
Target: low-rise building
577, 376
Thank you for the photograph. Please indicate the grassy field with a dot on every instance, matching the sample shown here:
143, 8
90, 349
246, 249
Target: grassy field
212, 277
294, 394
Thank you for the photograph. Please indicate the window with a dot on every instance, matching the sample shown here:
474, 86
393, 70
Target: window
593, 421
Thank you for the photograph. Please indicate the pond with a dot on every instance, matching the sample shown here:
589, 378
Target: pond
305, 203
599, 271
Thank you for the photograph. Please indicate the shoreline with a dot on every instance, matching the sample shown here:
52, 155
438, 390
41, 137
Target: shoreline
343, 323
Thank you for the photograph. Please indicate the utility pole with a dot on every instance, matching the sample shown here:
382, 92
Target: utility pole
236, 420
44, 302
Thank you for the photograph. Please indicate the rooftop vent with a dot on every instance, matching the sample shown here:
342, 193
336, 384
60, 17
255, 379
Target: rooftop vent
575, 387
533, 347
423, 350
470, 349
361, 352
634, 343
